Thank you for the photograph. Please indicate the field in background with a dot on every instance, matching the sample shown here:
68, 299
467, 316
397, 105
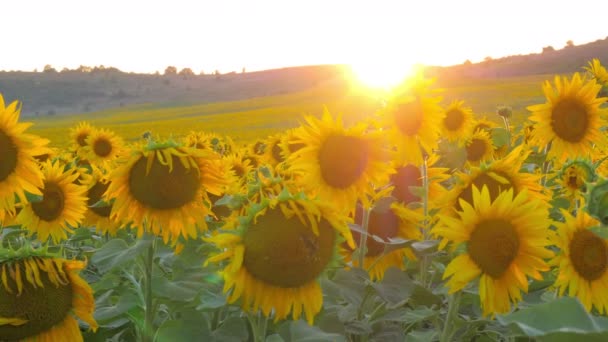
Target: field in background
246, 120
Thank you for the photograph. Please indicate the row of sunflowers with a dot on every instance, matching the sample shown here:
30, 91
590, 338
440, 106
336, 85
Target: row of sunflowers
280, 224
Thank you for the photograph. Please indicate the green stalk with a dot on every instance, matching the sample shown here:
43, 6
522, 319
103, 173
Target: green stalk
149, 312
363, 237
424, 264
453, 304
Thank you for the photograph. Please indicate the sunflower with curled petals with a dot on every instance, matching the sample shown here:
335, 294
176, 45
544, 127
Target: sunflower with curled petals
582, 261
102, 147
79, 135
572, 178
277, 253
385, 223
61, 207
19, 171
571, 119
413, 119
498, 176
598, 71
162, 188
506, 240
458, 123
340, 164
40, 295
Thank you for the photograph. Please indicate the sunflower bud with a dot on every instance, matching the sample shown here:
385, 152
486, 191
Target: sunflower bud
504, 111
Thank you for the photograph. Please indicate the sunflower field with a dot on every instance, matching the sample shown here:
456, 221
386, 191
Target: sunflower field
421, 222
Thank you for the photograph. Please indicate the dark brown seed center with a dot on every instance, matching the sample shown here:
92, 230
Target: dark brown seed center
476, 150
8, 156
493, 245
95, 193
161, 188
343, 159
494, 187
286, 253
52, 204
406, 177
588, 254
43, 308
102, 147
409, 117
570, 120
453, 120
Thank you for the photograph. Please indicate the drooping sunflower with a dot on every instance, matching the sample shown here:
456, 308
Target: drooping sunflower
582, 261
102, 147
385, 223
458, 123
273, 154
498, 176
572, 178
19, 171
571, 119
278, 251
408, 176
413, 120
241, 168
162, 188
505, 240
79, 135
40, 295
340, 164
479, 147
209, 141
61, 207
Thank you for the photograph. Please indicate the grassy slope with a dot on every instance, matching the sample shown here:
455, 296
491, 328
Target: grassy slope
246, 120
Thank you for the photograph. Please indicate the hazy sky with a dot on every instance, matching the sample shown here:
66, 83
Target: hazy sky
145, 36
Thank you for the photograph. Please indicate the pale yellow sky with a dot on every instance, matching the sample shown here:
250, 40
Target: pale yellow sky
146, 36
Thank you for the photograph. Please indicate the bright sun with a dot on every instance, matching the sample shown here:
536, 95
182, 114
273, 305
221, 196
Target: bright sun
381, 75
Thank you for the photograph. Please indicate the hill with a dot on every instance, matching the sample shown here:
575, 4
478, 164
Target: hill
46, 94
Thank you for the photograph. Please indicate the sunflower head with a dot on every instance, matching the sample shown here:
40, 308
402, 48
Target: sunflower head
505, 112
582, 260
19, 171
598, 71
163, 188
573, 177
458, 122
278, 251
102, 147
41, 294
571, 119
61, 206
79, 135
505, 241
479, 147
340, 164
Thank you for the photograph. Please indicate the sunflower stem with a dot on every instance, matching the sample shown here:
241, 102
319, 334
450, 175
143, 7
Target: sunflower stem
453, 304
363, 237
149, 311
508, 128
258, 325
424, 265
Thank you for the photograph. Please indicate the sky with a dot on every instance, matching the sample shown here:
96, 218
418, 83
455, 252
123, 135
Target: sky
228, 35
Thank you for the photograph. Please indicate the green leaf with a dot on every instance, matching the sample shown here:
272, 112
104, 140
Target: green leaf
422, 296
32, 198
300, 331
117, 252
395, 288
564, 319
351, 284
500, 136
232, 329
211, 300
421, 336
182, 330
108, 312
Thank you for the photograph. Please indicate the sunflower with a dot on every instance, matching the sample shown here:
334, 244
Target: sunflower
458, 122
278, 251
582, 261
385, 223
273, 153
241, 168
162, 188
598, 71
408, 177
573, 176
19, 171
479, 147
102, 147
99, 210
79, 135
498, 176
505, 241
340, 164
61, 207
39, 296
484, 124
571, 119
413, 119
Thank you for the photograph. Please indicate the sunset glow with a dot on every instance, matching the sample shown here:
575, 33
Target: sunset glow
381, 75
